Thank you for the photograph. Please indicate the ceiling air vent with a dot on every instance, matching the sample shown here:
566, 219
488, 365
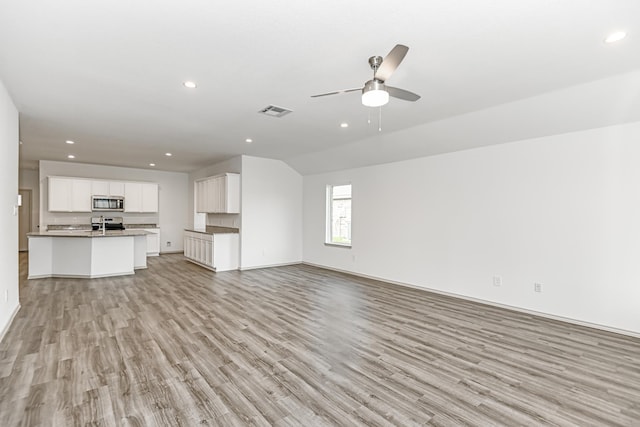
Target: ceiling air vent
274, 111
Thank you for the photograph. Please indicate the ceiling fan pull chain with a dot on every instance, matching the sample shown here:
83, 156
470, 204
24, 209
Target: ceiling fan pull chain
380, 120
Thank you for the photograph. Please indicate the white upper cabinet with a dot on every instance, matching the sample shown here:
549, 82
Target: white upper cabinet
100, 188
81, 195
140, 197
74, 194
116, 188
218, 194
69, 194
107, 188
132, 197
59, 194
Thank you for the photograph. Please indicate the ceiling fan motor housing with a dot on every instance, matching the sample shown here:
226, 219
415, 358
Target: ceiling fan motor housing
374, 94
375, 62
373, 85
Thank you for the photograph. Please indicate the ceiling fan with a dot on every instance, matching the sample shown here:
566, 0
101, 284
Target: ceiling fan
375, 92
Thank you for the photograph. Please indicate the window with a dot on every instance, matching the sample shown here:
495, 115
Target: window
339, 215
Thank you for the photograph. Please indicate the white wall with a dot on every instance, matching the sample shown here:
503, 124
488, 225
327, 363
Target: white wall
271, 224
173, 198
562, 210
9, 299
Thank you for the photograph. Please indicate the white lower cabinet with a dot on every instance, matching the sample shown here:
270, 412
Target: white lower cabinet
218, 252
153, 241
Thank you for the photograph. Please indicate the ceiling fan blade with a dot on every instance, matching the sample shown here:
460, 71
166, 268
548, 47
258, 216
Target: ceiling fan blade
391, 62
402, 94
337, 92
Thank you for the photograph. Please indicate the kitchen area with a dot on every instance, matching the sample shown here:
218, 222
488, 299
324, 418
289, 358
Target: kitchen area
69, 199
104, 245
256, 223
95, 227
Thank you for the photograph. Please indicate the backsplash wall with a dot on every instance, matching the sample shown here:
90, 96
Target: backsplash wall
224, 220
71, 218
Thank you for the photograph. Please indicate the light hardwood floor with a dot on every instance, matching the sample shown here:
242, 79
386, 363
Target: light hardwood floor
179, 345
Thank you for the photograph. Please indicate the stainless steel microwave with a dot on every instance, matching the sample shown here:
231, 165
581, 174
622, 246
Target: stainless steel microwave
107, 204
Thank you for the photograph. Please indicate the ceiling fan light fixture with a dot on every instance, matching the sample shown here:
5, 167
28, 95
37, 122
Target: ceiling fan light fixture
374, 94
615, 37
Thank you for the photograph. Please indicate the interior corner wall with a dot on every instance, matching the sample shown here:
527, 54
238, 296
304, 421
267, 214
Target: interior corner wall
9, 143
562, 211
271, 223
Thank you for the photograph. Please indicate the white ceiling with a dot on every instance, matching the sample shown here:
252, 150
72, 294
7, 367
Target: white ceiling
109, 75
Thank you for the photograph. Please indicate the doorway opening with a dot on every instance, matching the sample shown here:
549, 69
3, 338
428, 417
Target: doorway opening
24, 219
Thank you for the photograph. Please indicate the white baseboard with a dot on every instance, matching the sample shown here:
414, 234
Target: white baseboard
486, 302
270, 266
6, 328
193, 261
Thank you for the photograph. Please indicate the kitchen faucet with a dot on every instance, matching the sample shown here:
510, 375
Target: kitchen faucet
102, 224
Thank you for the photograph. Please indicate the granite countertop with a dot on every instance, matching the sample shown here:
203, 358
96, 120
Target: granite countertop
213, 229
72, 227
51, 227
87, 233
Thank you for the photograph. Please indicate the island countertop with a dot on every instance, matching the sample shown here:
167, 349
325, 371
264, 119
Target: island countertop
214, 229
87, 233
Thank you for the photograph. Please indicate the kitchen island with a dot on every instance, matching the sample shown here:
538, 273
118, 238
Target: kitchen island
86, 253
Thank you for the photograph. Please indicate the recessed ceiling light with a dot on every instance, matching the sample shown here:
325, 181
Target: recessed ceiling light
344, 125
69, 141
190, 85
615, 37
168, 154
152, 164
248, 140
71, 156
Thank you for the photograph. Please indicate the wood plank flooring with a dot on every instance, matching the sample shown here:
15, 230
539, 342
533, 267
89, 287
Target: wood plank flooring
178, 345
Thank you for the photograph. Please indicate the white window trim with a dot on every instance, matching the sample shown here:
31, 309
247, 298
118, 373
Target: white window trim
328, 225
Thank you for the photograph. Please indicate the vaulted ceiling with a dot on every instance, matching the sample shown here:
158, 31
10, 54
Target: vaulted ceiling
109, 76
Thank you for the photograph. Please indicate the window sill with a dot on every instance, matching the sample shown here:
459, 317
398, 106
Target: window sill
339, 245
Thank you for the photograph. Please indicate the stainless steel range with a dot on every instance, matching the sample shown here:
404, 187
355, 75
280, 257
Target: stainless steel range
110, 223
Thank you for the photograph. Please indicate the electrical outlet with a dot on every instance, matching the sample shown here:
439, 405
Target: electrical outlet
537, 287
6, 295
497, 280
168, 244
